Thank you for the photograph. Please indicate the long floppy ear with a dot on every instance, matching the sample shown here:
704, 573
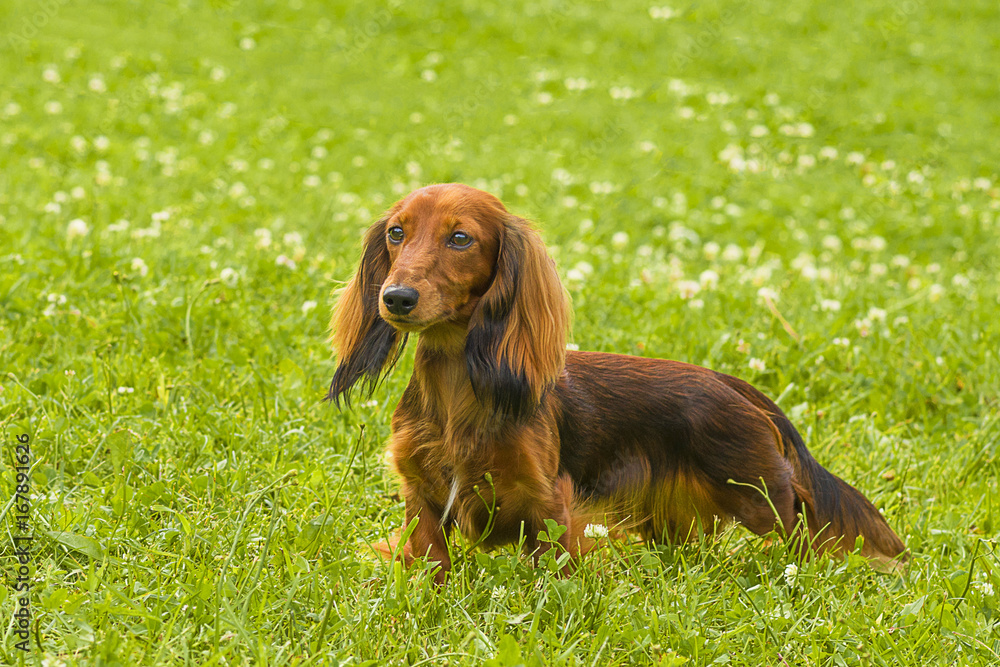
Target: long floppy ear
365, 343
516, 346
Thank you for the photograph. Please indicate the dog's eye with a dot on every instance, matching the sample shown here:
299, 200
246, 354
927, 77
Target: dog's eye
396, 234
460, 240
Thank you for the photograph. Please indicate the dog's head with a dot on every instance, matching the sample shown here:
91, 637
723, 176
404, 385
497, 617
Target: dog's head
449, 262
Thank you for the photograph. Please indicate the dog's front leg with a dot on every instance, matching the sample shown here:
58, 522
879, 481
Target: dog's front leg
428, 538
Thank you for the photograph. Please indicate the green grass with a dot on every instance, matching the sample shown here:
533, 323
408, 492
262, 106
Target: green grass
196, 502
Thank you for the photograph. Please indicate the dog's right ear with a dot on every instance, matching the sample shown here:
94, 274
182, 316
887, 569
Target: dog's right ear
365, 343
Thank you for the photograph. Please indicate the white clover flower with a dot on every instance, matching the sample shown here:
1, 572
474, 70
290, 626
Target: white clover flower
238, 189
718, 99
709, 279
688, 288
791, 575
622, 92
263, 237
732, 253
308, 306
662, 13
248, 43
595, 531
828, 153
97, 85
986, 588
757, 364
619, 240
696, 304
77, 228
832, 243
841, 342
767, 294
229, 276
900, 261
936, 292
829, 305
876, 314
51, 75
573, 347
139, 266
585, 268
499, 593
125, 390
711, 250
855, 158
287, 262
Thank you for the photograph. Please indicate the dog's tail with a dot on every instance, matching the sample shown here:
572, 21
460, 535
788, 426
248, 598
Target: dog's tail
835, 512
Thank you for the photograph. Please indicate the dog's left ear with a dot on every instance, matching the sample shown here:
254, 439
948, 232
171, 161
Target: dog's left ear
516, 346
365, 343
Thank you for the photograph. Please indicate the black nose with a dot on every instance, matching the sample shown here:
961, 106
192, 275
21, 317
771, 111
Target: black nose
400, 300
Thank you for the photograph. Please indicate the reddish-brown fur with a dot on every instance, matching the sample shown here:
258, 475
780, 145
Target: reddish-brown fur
501, 429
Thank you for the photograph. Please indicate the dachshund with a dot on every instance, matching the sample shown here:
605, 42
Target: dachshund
500, 428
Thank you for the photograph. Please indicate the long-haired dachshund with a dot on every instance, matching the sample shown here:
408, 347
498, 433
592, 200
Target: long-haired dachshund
500, 428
